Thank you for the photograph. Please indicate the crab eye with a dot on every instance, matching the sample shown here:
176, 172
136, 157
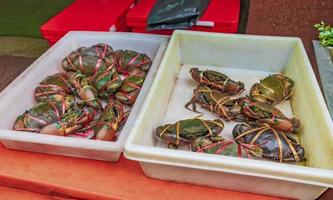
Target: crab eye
204, 98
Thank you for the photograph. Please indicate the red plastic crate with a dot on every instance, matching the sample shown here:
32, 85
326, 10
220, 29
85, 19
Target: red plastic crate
222, 14
88, 15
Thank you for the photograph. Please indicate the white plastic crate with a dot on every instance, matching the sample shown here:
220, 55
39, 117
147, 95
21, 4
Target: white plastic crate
245, 58
18, 96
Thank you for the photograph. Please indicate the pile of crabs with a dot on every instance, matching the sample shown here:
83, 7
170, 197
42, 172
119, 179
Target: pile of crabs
71, 103
265, 132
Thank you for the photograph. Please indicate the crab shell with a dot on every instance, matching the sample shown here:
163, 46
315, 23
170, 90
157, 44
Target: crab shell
130, 88
264, 113
217, 80
128, 61
107, 83
216, 101
56, 84
185, 131
84, 90
221, 146
70, 122
109, 122
43, 113
272, 89
275, 144
90, 61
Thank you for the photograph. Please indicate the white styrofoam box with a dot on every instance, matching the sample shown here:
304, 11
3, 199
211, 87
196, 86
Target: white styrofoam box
18, 96
244, 58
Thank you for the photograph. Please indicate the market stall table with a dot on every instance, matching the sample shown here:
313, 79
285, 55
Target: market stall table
12, 193
81, 178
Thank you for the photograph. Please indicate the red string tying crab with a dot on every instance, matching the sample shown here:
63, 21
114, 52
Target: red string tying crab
71, 102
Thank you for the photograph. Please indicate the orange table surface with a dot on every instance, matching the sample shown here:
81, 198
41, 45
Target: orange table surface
7, 193
65, 177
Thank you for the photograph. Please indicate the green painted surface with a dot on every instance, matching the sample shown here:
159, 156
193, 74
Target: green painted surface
24, 17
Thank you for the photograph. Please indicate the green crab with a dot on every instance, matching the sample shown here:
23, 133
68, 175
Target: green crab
185, 131
263, 112
107, 83
217, 80
109, 122
84, 90
130, 87
216, 101
90, 61
221, 146
128, 61
44, 113
56, 84
70, 122
272, 89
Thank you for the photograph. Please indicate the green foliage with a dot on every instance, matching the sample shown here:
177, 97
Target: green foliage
325, 34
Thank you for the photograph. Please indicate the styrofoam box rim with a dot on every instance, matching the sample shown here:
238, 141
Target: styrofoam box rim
260, 168
117, 146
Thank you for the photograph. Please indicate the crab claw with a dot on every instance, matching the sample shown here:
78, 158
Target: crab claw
59, 128
234, 87
84, 90
107, 132
70, 122
109, 122
285, 125
127, 98
217, 80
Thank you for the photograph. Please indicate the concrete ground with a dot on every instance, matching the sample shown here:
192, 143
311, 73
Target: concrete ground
16, 54
290, 18
11, 67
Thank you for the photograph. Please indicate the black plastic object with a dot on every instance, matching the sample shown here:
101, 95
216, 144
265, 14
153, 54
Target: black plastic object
175, 14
